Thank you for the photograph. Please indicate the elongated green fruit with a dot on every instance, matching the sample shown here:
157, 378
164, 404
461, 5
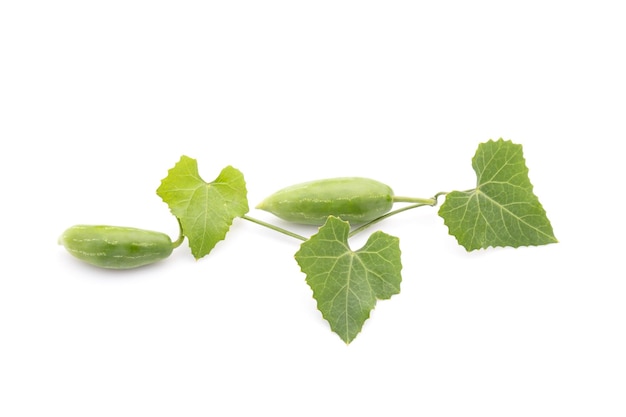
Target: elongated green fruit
116, 247
353, 199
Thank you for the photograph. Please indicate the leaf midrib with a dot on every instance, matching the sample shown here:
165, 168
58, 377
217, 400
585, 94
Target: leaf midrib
482, 194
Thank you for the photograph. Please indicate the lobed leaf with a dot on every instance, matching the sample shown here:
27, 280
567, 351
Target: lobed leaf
502, 210
346, 284
205, 210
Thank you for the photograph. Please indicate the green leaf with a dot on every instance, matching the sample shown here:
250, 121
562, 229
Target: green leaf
205, 210
502, 210
346, 283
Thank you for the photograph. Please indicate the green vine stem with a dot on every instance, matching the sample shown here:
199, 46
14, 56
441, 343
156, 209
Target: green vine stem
274, 227
425, 201
181, 235
420, 202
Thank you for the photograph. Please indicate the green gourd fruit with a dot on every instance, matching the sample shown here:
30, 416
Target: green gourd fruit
116, 247
353, 199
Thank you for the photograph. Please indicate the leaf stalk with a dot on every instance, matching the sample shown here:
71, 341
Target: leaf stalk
419, 202
181, 235
274, 227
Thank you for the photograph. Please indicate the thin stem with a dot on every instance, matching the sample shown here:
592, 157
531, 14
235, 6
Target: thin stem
384, 216
275, 228
427, 201
420, 202
181, 236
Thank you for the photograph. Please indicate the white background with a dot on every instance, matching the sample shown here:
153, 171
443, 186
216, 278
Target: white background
99, 99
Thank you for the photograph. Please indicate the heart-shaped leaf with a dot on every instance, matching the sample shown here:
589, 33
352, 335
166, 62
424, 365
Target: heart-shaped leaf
346, 284
502, 210
205, 209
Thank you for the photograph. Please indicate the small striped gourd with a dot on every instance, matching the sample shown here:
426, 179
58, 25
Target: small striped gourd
116, 247
353, 199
